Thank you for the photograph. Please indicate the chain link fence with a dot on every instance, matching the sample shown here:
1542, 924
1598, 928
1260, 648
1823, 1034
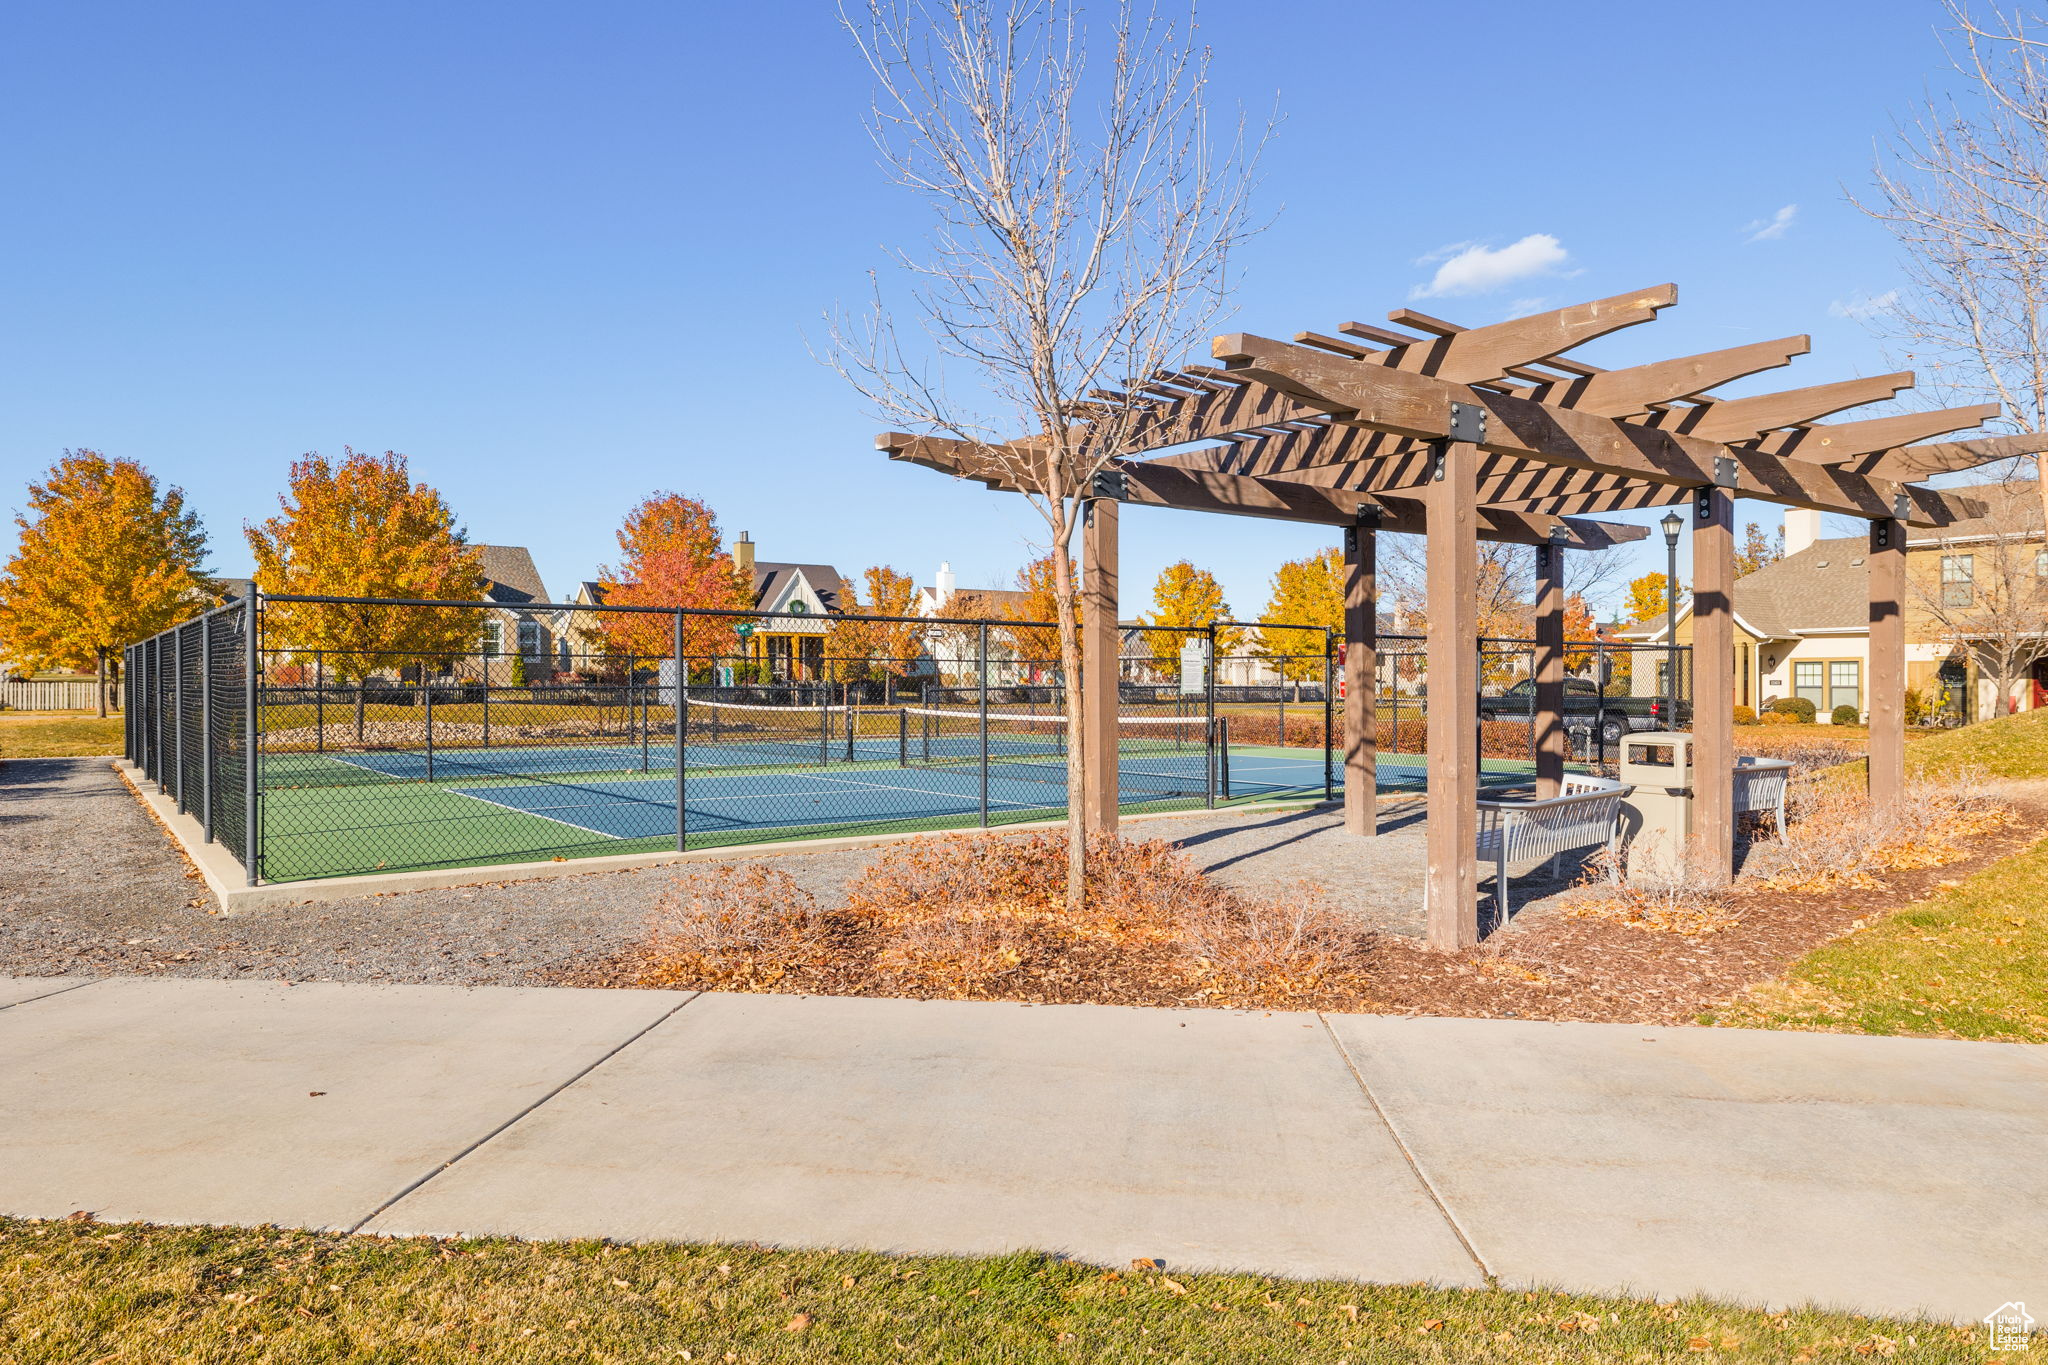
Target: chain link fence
323, 737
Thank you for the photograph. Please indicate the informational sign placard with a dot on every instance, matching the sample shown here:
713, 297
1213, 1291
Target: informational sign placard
1194, 665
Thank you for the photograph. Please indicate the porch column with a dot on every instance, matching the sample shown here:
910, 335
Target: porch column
1549, 670
1361, 674
1887, 695
1713, 680
1451, 891
1099, 665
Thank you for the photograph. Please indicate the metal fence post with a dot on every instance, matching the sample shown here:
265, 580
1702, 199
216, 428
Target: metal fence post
427, 689
319, 701
206, 727
1329, 713
178, 716
680, 705
252, 744
981, 691
1209, 715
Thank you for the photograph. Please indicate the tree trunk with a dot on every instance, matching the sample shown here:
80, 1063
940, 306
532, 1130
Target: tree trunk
1064, 597
101, 687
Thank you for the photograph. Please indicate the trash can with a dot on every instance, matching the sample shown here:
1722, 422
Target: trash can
1656, 817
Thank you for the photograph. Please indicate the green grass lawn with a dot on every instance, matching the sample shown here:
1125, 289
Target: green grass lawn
79, 1292
2010, 746
1972, 962
57, 734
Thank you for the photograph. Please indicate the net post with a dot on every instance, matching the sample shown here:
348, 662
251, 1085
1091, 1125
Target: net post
824, 724
319, 701
981, 691
1223, 756
252, 859
902, 737
680, 702
645, 717
427, 688
206, 727
486, 671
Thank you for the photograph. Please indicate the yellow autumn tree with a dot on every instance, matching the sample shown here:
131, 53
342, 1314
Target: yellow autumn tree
857, 647
362, 528
1645, 600
105, 559
1037, 600
1306, 592
1185, 600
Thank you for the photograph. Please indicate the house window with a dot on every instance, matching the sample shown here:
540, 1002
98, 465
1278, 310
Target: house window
1845, 684
531, 645
2041, 563
1807, 683
494, 638
1958, 580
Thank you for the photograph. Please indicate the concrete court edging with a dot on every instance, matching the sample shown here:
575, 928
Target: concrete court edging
224, 875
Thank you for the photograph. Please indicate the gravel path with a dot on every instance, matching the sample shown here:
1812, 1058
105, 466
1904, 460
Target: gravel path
94, 886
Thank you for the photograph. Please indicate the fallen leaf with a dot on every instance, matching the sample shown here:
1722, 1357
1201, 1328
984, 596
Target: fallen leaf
800, 1323
1349, 1310
1172, 1286
314, 1094
1147, 1263
81, 1216
1433, 1325
1699, 1344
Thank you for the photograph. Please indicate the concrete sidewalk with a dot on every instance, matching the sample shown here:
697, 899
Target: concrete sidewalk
1882, 1175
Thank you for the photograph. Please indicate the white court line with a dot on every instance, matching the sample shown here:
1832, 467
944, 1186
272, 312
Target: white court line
516, 810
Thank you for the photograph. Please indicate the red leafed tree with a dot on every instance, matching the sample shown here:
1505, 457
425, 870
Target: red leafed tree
673, 555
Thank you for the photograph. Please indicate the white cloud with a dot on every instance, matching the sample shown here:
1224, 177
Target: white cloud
1471, 268
1771, 228
1861, 307
1521, 308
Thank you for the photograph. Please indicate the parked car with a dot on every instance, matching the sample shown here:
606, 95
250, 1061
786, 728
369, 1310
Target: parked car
1584, 704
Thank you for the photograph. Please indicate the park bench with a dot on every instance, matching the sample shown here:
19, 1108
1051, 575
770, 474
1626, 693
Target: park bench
1585, 811
1760, 785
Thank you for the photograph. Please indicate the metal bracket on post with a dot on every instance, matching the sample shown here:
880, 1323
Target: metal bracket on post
1902, 506
1468, 424
1703, 504
1366, 518
1727, 472
1112, 484
1881, 534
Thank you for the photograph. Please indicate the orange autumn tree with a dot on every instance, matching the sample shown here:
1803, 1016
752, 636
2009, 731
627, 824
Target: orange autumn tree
857, 648
1037, 601
363, 528
673, 555
104, 560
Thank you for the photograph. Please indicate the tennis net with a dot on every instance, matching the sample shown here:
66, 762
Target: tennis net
1155, 755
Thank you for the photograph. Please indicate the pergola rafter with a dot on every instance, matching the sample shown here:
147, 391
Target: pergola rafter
1495, 433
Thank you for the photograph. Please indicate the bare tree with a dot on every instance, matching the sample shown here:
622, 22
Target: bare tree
1963, 188
1507, 579
1083, 221
1984, 590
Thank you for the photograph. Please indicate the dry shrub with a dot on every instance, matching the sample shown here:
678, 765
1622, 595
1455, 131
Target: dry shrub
981, 917
1409, 735
1688, 899
1836, 839
734, 926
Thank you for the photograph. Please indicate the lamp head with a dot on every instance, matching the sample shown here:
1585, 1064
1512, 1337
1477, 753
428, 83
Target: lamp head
1672, 524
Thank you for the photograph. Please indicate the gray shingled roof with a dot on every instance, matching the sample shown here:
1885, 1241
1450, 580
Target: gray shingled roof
770, 578
509, 575
1825, 586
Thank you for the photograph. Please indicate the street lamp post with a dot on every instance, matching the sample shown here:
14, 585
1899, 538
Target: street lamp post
1672, 524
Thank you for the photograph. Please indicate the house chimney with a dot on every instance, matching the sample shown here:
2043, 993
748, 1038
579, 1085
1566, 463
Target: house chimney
743, 556
942, 582
1802, 528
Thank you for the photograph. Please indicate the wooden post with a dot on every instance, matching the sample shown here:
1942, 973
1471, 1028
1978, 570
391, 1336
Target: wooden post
1713, 680
1549, 670
1887, 695
1361, 672
1099, 665
1451, 892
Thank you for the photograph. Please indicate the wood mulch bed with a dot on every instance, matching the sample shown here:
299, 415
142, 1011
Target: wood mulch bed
1549, 965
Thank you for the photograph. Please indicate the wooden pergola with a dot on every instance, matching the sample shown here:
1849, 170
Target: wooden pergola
1492, 433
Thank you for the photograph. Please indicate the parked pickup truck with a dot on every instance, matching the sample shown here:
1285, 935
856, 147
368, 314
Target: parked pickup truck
1612, 717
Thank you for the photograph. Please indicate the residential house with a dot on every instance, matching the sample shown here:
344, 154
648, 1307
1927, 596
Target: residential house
518, 627
1802, 623
797, 602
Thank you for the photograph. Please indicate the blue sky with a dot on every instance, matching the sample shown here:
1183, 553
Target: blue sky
565, 255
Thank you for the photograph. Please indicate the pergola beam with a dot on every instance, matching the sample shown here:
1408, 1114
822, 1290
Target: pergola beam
1842, 442
1418, 405
1745, 419
1950, 457
1630, 392
1479, 355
